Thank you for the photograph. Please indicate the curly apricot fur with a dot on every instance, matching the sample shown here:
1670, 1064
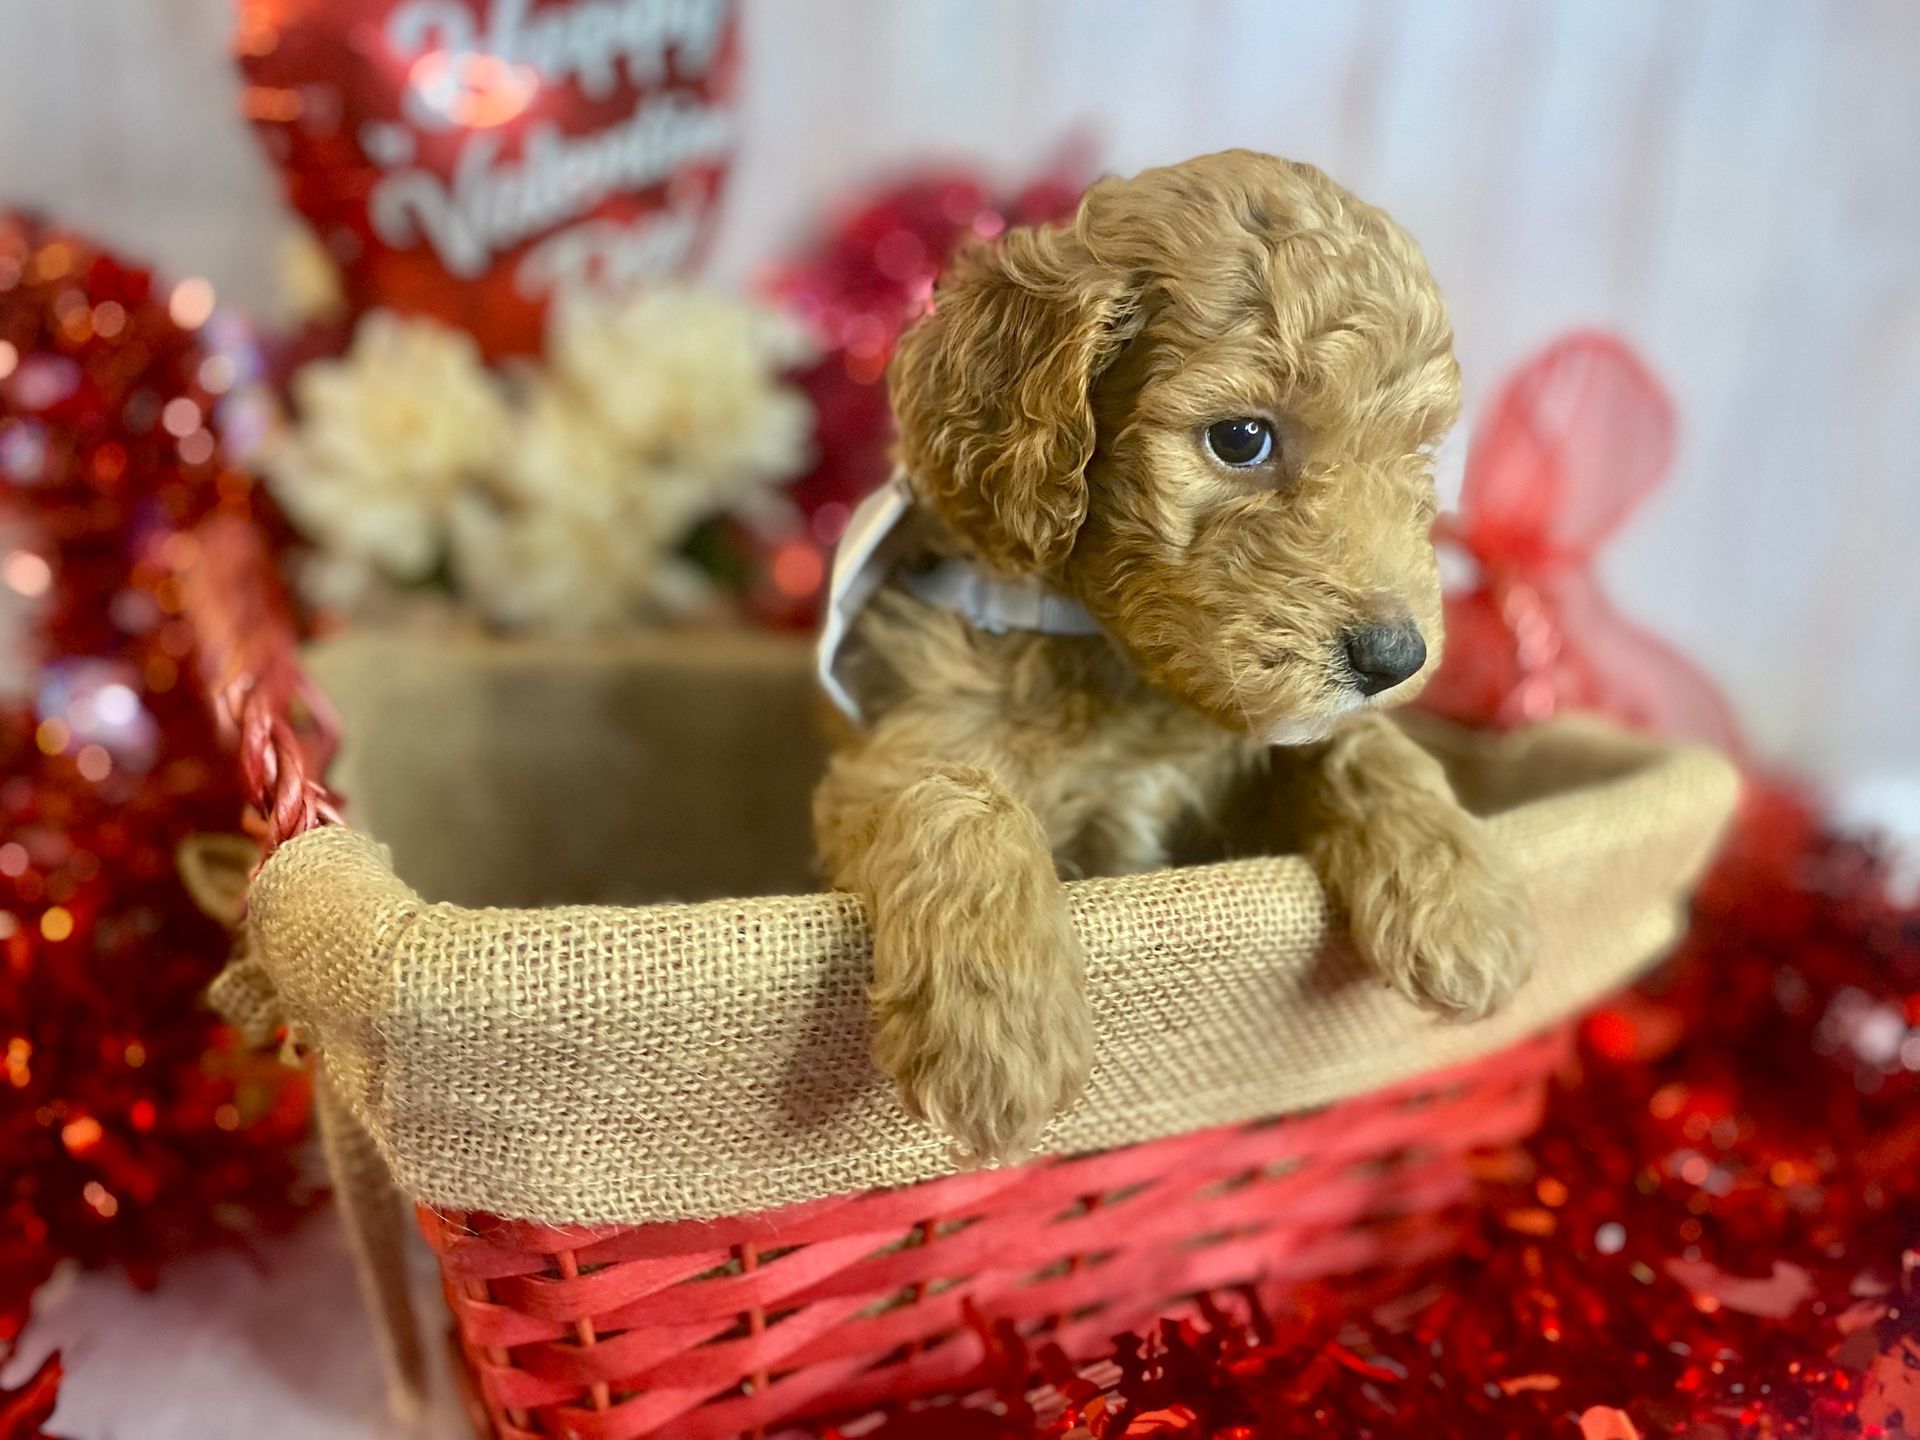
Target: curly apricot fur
1050, 411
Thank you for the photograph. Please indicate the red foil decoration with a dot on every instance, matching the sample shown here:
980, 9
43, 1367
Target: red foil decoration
473, 159
1715, 1233
132, 1125
1572, 445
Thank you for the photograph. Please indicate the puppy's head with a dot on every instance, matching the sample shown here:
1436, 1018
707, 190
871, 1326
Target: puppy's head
1207, 408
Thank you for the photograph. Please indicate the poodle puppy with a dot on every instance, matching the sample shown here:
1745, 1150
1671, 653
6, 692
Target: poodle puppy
1199, 418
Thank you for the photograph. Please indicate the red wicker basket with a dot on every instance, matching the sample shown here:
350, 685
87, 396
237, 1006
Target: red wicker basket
706, 1329
688, 1323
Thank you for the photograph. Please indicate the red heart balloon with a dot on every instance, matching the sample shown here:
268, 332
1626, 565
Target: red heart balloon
474, 160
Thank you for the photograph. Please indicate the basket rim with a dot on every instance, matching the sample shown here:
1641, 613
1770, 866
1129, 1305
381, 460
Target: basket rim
394, 990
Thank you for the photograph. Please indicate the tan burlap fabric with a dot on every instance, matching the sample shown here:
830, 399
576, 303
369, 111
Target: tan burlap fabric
627, 1064
376, 1218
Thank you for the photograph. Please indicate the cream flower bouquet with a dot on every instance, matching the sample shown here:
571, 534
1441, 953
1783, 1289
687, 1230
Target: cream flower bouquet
549, 498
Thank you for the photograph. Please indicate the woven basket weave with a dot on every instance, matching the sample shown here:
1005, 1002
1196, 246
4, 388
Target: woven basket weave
720, 1218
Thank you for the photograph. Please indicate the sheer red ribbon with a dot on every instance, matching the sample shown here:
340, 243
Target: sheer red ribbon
1576, 440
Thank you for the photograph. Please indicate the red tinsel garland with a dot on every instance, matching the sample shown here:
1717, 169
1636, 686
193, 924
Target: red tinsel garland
131, 1127
1715, 1233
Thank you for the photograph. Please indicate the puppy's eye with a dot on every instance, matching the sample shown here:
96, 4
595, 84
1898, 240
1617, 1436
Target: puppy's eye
1241, 442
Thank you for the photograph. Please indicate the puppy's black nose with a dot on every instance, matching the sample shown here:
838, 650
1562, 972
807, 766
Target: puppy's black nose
1384, 655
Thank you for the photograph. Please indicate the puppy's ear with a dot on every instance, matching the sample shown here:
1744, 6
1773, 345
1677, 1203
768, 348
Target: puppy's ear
990, 393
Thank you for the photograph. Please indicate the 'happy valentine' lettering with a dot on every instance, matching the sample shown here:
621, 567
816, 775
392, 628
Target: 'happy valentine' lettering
584, 41
607, 257
492, 207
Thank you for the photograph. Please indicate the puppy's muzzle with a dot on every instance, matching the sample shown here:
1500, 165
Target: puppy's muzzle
1382, 656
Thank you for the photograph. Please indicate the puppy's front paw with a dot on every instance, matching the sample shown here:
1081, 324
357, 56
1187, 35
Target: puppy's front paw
994, 1047
979, 1000
1446, 923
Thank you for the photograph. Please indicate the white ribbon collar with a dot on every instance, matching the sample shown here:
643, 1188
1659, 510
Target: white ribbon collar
873, 548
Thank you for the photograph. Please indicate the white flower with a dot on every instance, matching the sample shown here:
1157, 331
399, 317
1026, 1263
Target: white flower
573, 537
561, 454
554, 569
565, 508
689, 381
309, 280
384, 440
657, 415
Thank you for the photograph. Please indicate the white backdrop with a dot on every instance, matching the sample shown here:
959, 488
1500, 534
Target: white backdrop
1734, 184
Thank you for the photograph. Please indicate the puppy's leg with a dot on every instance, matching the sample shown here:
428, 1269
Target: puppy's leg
980, 1011
1428, 898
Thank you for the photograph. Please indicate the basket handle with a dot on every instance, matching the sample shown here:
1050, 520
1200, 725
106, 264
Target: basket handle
284, 733
282, 728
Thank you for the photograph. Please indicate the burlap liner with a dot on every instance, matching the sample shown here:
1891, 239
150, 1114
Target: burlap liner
661, 1062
